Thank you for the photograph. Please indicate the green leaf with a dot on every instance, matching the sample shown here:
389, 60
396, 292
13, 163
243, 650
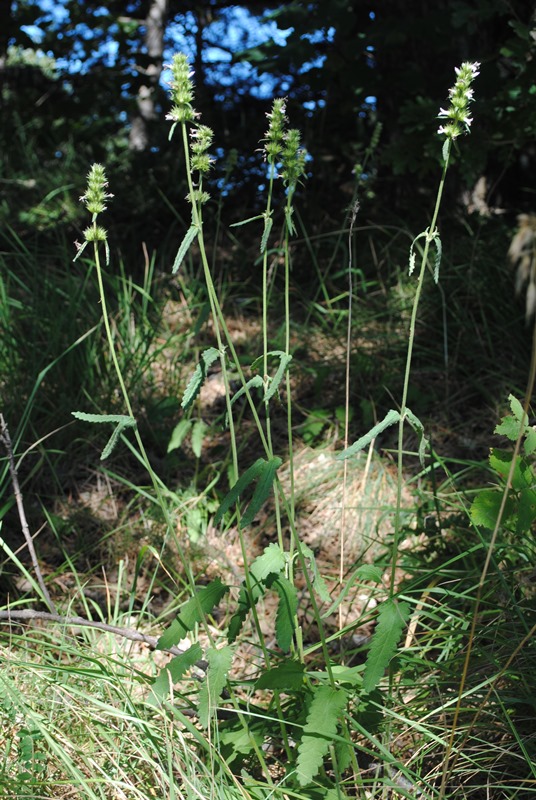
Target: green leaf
509, 427
289, 211
239, 487
262, 490
254, 383
529, 445
272, 561
390, 418
526, 511
418, 427
246, 221
287, 676
485, 508
198, 434
319, 731
391, 620
501, 461
180, 432
208, 357
265, 567
219, 664
285, 621
268, 222
319, 584
517, 410
285, 359
243, 607
437, 261
173, 672
192, 612
122, 421
190, 235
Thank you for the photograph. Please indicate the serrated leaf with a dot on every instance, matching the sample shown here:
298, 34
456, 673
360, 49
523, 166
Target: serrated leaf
289, 211
239, 487
254, 383
262, 490
243, 608
418, 427
219, 664
190, 235
285, 620
272, 560
245, 221
198, 434
268, 222
529, 444
526, 511
319, 584
287, 676
391, 620
319, 731
485, 508
390, 418
122, 422
509, 427
180, 432
173, 672
437, 261
501, 461
208, 357
517, 411
285, 359
192, 612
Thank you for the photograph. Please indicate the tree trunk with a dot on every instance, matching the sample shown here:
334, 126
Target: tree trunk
155, 24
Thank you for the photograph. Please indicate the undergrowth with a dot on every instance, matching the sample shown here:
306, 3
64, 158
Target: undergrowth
233, 651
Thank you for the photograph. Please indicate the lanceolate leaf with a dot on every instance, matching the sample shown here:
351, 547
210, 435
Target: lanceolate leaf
239, 487
271, 563
287, 676
390, 419
190, 235
208, 357
193, 612
319, 584
285, 359
198, 434
122, 422
262, 490
324, 714
219, 664
268, 222
180, 432
173, 672
418, 427
285, 621
391, 620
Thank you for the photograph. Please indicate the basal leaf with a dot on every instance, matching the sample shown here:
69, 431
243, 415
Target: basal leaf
526, 511
180, 432
262, 490
239, 487
219, 664
485, 508
517, 411
391, 620
508, 427
529, 444
319, 731
287, 676
272, 561
243, 607
208, 357
285, 621
390, 418
501, 461
173, 672
190, 235
193, 611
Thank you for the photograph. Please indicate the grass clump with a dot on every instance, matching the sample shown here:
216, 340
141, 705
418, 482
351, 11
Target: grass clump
393, 662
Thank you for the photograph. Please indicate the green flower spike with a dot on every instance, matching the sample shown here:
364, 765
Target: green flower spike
276, 131
460, 96
95, 199
182, 91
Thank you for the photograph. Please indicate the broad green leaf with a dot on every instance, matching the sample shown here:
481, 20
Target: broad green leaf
192, 612
501, 461
262, 490
517, 411
244, 606
390, 418
208, 357
173, 672
365, 572
530, 442
485, 508
526, 511
180, 432
287, 676
236, 743
219, 664
190, 235
268, 222
285, 621
319, 731
391, 620
239, 487
418, 427
508, 427
198, 434
272, 561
